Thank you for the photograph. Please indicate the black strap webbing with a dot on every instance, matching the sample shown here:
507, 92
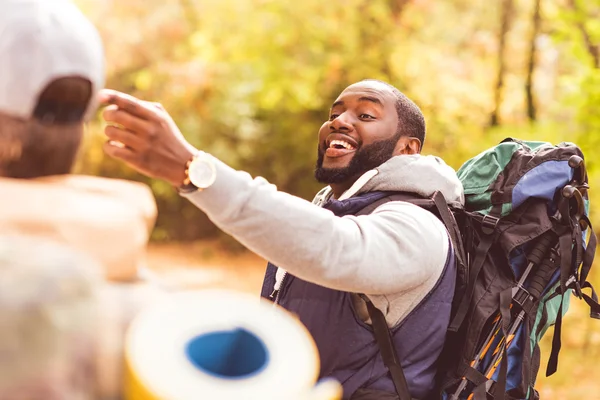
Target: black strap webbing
480, 255
588, 256
591, 301
556, 342
387, 349
472, 375
448, 219
566, 253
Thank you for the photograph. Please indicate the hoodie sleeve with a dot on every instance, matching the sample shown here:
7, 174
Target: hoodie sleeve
396, 248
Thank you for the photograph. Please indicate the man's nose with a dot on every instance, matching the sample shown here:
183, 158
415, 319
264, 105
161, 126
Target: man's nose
342, 122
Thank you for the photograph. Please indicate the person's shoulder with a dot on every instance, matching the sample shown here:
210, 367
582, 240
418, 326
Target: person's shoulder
101, 185
403, 206
132, 194
108, 219
429, 223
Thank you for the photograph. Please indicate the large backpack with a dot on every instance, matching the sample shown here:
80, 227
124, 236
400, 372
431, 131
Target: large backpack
521, 249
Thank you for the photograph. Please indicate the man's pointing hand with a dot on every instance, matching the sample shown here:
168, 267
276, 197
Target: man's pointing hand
144, 135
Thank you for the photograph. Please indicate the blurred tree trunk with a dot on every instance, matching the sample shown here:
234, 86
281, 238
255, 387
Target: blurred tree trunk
375, 31
507, 8
396, 7
592, 48
531, 107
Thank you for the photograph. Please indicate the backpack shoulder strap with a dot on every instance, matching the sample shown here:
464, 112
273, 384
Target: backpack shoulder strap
412, 198
437, 204
389, 355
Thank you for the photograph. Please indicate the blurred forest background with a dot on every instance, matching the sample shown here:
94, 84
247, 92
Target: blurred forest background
251, 81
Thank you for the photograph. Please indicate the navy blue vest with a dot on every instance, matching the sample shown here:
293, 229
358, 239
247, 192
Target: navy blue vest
347, 347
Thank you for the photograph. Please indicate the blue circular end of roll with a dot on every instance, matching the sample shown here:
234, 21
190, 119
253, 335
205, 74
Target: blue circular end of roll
232, 354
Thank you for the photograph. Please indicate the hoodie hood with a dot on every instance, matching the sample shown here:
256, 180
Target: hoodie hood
423, 175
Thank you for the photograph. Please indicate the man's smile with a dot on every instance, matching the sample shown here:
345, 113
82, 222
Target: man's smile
339, 145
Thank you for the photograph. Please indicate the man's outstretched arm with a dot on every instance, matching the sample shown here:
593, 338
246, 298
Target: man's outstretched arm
396, 248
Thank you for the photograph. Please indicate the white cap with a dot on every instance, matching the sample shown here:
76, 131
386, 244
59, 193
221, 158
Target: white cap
41, 41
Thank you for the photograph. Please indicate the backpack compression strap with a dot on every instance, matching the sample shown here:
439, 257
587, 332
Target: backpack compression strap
572, 256
381, 331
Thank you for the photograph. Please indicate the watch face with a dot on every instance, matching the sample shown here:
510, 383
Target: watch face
202, 172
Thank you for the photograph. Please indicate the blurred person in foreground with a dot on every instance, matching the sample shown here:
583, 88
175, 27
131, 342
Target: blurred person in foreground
51, 69
48, 319
399, 255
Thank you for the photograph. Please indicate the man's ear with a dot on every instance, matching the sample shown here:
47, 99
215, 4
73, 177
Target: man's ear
408, 145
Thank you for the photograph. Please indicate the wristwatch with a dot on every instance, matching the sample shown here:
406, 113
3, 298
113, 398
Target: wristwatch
200, 173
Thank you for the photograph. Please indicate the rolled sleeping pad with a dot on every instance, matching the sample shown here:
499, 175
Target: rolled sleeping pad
221, 344
120, 302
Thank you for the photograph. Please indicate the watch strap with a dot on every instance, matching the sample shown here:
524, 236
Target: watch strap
187, 186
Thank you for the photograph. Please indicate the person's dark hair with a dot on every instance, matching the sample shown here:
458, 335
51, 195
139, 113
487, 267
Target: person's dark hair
411, 121
47, 143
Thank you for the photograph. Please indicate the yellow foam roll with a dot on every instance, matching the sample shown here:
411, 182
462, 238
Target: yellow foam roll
327, 389
218, 344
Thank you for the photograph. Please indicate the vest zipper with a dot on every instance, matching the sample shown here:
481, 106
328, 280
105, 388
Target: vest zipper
277, 293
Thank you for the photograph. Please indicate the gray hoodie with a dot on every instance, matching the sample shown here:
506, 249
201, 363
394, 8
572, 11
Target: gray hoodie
395, 255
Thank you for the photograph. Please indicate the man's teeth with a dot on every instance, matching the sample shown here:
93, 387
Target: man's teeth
342, 143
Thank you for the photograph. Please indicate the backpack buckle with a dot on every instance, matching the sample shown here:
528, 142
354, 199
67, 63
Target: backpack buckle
578, 290
573, 283
489, 224
523, 298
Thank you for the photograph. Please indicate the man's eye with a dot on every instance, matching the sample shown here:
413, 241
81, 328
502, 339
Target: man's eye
333, 116
366, 116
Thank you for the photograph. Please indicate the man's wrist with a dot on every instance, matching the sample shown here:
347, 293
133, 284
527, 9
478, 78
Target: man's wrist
199, 173
183, 184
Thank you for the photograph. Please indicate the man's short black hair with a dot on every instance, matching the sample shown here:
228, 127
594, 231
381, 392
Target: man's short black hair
411, 121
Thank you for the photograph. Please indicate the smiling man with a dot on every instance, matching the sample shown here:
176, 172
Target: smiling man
376, 109
397, 254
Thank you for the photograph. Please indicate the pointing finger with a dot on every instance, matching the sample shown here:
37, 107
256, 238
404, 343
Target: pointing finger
127, 138
113, 114
118, 151
130, 104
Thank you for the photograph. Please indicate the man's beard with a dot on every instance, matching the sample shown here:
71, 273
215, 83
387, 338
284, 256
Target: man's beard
366, 158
